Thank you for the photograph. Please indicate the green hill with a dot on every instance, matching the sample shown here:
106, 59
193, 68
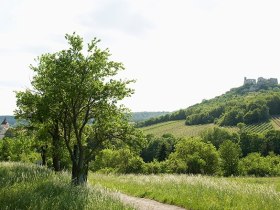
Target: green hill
249, 104
179, 129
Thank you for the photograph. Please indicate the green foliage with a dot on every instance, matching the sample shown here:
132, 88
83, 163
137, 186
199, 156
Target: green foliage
217, 136
21, 148
261, 143
251, 142
158, 148
230, 153
192, 155
272, 139
255, 164
25, 186
118, 161
155, 167
232, 117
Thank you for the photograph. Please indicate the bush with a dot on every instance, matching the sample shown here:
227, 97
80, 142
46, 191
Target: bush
255, 164
192, 155
118, 161
155, 167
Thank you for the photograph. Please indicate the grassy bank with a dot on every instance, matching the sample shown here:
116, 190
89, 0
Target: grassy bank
26, 186
198, 192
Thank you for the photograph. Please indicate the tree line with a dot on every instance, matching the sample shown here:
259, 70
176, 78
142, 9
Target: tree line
217, 151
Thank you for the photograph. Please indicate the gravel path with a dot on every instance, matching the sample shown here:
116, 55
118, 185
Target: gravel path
144, 203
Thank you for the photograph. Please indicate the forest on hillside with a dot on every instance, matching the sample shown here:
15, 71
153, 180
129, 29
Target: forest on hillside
239, 105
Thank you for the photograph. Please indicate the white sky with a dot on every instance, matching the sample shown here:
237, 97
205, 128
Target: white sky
179, 51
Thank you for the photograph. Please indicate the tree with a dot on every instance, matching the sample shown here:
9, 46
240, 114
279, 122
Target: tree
272, 139
192, 155
230, 153
80, 89
252, 142
218, 135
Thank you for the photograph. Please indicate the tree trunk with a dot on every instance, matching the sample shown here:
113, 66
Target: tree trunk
56, 149
43, 155
79, 175
79, 168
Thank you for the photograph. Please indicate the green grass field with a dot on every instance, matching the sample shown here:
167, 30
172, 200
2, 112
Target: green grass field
27, 186
177, 128
198, 192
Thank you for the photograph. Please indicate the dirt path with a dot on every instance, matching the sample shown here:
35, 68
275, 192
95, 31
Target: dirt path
144, 203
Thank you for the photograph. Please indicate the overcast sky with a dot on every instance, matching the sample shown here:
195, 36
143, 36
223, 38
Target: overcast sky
179, 51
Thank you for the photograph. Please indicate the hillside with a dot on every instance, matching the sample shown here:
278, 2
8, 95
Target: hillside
179, 129
249, 104
176, 128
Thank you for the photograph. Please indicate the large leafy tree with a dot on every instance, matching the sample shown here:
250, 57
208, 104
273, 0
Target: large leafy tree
82, 93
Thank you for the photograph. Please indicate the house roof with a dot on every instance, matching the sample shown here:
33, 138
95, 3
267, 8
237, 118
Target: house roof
4, 122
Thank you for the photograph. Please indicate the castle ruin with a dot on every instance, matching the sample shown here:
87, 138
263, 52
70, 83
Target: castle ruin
260, 81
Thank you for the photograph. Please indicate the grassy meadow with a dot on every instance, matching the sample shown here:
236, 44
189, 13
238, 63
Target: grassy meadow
27, 186
198, 192
176, 128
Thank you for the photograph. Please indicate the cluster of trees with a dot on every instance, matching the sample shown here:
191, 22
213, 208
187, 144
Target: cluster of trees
236, 106
217, 151
74, 105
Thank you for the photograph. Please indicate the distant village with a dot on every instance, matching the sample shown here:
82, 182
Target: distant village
3, 128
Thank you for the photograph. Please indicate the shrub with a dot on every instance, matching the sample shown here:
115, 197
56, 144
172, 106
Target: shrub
192, 155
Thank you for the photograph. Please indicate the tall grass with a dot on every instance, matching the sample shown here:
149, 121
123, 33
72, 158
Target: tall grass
26, 186
195, 192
